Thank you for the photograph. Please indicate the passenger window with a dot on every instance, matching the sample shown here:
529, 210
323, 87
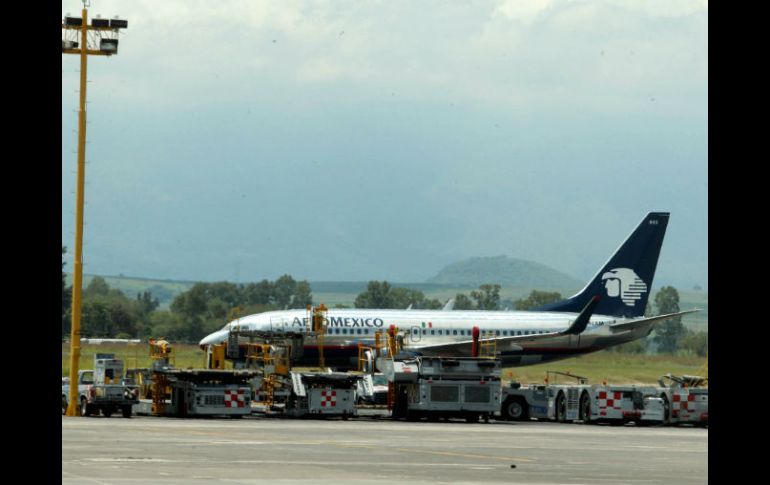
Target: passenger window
424, 332
454, 332
433, 332
519, 332
497, 332
358, 331
345, 331
526, 332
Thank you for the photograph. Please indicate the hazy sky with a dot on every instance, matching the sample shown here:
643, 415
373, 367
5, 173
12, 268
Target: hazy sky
354, 140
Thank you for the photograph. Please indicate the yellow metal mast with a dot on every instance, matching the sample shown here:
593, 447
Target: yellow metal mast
73, 407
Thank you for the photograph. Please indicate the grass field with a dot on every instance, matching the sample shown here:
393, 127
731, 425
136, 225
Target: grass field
615, 368
612, 367
134, 355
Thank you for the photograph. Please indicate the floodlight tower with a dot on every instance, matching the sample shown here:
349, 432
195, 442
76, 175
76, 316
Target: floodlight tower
104, 42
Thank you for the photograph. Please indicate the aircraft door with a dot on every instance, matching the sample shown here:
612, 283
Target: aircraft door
415, 334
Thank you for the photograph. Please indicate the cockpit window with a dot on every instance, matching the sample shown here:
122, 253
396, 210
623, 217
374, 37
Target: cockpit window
227, 325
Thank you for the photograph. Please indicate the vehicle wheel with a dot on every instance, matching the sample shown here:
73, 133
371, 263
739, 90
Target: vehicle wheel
561, 408
63, 406
126, 411
585, 408
515, 409
107, 411
472, 418
85, 409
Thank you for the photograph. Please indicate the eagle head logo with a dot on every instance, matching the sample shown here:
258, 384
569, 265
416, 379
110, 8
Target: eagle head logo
624, 283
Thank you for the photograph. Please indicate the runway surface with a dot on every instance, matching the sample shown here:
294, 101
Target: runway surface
146, 450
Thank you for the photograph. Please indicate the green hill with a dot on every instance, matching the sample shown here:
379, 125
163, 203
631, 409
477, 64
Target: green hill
505, 271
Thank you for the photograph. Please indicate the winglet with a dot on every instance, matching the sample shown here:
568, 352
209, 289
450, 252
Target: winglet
581, 322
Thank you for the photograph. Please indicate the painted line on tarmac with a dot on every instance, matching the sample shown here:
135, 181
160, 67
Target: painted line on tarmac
429, 452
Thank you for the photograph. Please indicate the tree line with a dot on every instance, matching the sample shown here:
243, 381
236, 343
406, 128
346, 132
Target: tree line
108, 313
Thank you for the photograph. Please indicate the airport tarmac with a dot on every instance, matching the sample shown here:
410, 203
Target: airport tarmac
146, 450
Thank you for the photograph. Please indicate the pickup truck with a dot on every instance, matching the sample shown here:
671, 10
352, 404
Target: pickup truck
102, 389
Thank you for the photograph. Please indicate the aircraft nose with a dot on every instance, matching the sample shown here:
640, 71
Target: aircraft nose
214, 338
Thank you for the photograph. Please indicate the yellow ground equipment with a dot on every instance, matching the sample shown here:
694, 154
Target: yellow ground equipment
318, 317
488, 345
215, 357
161, 353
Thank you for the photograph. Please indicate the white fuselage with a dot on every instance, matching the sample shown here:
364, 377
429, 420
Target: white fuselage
426, 328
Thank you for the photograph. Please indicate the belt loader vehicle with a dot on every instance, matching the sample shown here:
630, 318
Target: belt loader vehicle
102, 389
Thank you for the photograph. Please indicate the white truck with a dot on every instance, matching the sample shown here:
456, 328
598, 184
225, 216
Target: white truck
102, 389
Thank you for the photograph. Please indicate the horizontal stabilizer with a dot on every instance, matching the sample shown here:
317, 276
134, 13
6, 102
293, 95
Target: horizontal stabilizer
633, 324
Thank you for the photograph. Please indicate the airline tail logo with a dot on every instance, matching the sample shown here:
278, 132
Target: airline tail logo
626, 284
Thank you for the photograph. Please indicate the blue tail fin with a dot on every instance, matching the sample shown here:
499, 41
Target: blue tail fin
625, 281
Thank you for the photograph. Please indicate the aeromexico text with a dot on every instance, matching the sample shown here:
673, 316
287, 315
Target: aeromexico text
342, 322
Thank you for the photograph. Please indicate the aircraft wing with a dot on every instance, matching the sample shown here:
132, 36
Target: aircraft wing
511, 342
617, 327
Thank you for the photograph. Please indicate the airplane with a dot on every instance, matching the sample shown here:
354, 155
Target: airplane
608, 311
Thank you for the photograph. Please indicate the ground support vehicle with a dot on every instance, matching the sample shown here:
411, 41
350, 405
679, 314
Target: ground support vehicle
558, 402
372, 390
555, 402
208, 392
166, 391
436, 387
581, 402
102, 389
621, 404
315, 394
685, 399
307, 394
200, 392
